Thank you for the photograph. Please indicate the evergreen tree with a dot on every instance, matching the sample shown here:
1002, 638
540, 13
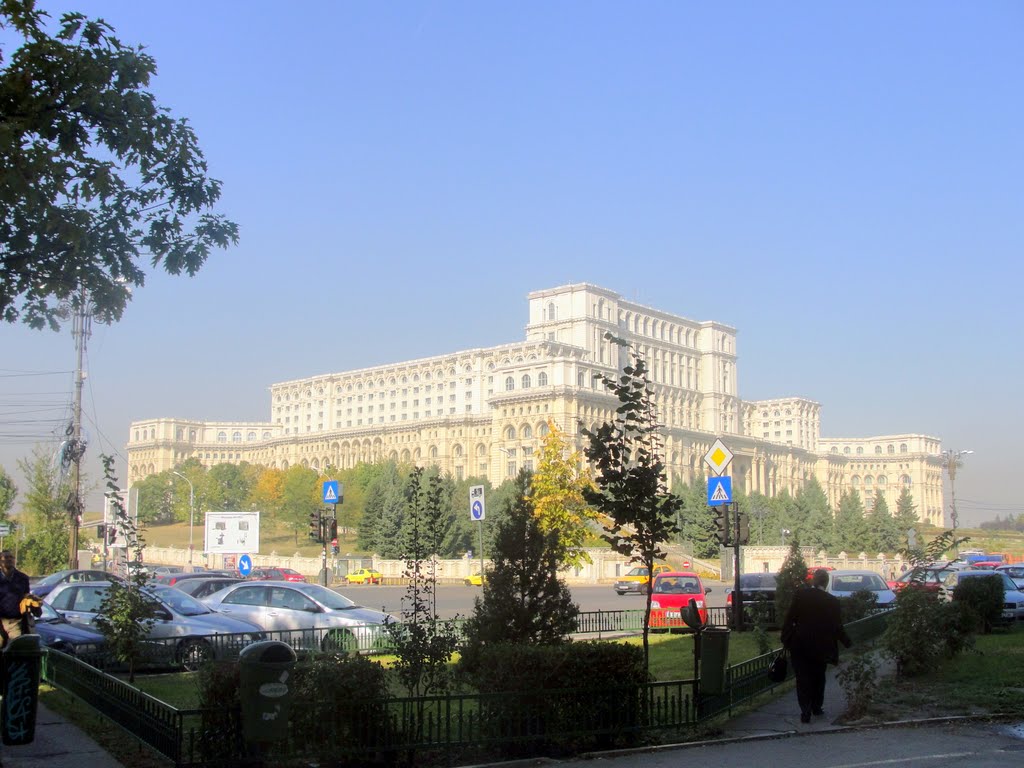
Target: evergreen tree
764, 526
815, 523
8, 493
883, 533
696, 520
385, 513
523, 600
791, 577
47, 527
851, 526
906, 515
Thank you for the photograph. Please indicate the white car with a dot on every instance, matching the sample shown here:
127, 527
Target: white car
846, 583
306, 616
1013, 597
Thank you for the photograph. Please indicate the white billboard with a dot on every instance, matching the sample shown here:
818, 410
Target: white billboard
232, 533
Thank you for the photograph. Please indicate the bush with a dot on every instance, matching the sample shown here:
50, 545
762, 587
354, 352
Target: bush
922, 631
858, 677
858, 605
984, 596
547, 679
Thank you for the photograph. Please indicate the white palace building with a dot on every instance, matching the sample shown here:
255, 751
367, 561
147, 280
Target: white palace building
483, 412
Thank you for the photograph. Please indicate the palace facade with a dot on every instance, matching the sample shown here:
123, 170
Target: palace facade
483, 412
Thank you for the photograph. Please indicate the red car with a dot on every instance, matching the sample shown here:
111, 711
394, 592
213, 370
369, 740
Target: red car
926, 579
276, 574
671, 593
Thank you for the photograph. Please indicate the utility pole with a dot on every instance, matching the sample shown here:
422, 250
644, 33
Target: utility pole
953, 460
81, 328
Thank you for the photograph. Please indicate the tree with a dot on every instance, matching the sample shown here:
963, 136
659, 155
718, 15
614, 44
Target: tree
385, 512
791, 577
695, 519
8, 493
906, 514
299, 499
45, 548
523, 600
95, 175
558, 501
631, 490
126, 612
815, 523
883, 532
851, 527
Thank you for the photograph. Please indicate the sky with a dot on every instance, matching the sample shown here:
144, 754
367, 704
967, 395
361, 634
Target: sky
841, 182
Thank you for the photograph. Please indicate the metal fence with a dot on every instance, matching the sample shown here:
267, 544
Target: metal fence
437, 730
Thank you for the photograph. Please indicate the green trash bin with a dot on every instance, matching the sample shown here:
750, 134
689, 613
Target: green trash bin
20, 665
265, 671
714, 659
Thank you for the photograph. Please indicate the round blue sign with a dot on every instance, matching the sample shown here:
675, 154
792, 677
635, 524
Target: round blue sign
245, 565
478, 510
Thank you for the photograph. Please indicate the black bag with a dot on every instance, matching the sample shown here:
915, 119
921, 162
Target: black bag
778, 669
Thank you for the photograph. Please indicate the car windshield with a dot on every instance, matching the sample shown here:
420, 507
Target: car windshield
182, 603
752, 580
328, 598
53, 578
855, 582
637, 572
49, 614
677, 585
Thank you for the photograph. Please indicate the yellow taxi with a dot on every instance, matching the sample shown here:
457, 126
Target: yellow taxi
638, 579
364, 576
475, 580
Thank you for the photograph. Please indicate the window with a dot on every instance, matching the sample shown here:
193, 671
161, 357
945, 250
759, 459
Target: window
526, 381
527, 432
860, 450
903, 447
542, 379
510, 384
251, 436
891, 449
878, 449
222, 437
580, 379
510, 433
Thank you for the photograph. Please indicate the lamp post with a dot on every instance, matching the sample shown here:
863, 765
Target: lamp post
785, 532
951, 461
191, 513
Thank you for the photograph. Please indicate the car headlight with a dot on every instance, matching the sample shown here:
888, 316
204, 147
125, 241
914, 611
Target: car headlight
655, 604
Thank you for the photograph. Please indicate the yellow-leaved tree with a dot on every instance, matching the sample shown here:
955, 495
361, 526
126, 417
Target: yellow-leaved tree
558, 503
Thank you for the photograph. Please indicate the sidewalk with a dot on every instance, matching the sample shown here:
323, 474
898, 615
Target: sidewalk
58, 744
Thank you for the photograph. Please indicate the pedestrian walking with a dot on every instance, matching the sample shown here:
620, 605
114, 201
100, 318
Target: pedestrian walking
811, 633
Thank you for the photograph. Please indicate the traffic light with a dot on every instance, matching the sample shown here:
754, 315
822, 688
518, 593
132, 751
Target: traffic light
743, 528
315, 530
722, 524
333, 526
101, 531
111, 534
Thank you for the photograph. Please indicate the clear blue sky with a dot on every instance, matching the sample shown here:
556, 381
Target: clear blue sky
840, 182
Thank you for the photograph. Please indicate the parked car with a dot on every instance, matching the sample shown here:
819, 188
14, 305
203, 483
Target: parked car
1013, 597
276, 574
204, 587
671, 594
1015, 572
926, 578
329, 621
754, 587
185, 626
364, 576
637, 579
58, 633
172, 579
45, 585
844, 584
810, 571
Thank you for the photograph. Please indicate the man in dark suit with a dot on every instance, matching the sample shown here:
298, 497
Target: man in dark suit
811, 633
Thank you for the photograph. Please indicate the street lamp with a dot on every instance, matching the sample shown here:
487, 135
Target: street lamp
191, 512
785, 533
951, 461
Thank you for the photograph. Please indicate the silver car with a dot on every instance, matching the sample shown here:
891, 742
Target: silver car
846, 583
307, 616
183, 627
1013, 597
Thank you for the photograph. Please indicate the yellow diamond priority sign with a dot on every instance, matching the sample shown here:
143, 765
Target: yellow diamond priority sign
718, 457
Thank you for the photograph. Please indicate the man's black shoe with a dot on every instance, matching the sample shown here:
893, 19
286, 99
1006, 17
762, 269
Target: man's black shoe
805, 717
818, 712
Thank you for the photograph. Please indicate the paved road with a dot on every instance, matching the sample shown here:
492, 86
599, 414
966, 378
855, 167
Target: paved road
458, 600
922, 746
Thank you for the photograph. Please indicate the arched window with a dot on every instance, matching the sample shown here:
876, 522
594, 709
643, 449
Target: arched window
526, 381
846, 450
860, 450
457, 450
222, 437
510, 383
266, 435
905, 481
542, 428
192, 435
883, 481
891, 449
834, 450
236, 437
542, 379
580, 378
855, 482
510, 433
878, 449
179, 434
527, 432
903, 447
551, 310
433, 451
251, 436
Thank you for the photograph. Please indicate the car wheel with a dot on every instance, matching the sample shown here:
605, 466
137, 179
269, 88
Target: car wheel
192, 654
619, 592
338, 641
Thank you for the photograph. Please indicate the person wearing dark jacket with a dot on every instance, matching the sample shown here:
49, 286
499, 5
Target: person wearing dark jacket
13, 589
811, 633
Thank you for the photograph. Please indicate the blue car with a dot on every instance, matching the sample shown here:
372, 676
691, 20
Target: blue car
58, 633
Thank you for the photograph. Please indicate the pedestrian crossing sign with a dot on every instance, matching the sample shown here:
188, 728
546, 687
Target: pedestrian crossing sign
331, 492
719, 491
